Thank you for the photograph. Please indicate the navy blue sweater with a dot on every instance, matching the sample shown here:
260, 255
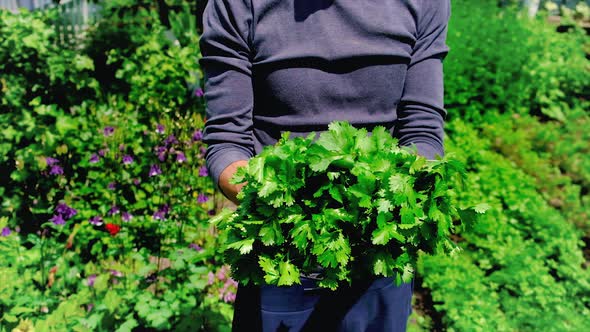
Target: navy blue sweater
296, 65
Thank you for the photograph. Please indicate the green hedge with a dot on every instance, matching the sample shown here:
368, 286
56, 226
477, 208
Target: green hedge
522, 253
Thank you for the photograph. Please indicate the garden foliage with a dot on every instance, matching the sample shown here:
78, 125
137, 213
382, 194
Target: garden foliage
513, 65
106, 200
105, 196
522, 254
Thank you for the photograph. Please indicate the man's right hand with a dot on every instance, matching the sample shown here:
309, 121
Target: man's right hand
231, 190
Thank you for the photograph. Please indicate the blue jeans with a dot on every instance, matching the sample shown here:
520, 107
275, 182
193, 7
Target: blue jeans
375, 306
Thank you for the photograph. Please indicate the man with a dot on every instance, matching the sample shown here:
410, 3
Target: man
297, 65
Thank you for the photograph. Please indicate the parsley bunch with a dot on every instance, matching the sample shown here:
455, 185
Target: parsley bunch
353, 205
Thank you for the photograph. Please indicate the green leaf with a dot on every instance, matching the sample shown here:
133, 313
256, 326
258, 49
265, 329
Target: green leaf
418, 164
128, 325
301, 234
336, 194
271, 274
271, 234
289, 274
383, 264
482, 208
397, 183
268, 187
244, 246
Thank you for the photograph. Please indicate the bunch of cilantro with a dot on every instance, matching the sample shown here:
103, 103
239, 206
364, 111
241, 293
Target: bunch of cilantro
349, 204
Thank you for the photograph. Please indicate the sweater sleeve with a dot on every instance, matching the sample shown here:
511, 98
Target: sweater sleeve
421, 111
225, 61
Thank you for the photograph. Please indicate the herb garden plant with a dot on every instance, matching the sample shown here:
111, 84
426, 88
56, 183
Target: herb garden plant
352, 204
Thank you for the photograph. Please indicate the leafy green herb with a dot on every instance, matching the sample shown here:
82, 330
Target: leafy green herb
354, 204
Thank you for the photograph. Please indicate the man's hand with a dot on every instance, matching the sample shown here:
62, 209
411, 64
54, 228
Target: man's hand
231, 190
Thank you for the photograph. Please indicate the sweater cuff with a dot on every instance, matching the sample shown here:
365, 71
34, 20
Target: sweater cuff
223, 157
429, 151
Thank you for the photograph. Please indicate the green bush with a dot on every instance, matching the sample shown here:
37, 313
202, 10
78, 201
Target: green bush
555, 154
511, 64
530, 258
105, 193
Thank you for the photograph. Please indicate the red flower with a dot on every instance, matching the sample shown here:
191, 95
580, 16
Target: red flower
113, 229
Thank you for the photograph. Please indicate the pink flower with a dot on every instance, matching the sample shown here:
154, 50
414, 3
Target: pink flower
90, 280
211, 278
229, 297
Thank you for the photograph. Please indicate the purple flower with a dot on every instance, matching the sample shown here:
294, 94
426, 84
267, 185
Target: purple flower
58, 219
127, 159
126, 216
96, 221
90, 280
155, 170
111, 186
195, 247
160, 128
5, 231
180, 157
116, 273
202, 198
170, 140
56, 170
197, 135
94, 158
102, 152
108, 131
51, 161
161, 213
203, 171
199, 92
161, 152
136, 182
66, 211
113, 210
